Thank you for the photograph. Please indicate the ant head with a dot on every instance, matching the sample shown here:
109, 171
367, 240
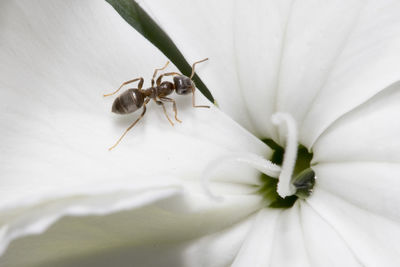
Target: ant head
183, 85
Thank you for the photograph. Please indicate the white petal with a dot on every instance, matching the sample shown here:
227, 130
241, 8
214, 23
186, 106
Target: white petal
372, 186
276, 239
325, 246
369, 133
315, 35
57, 59
243, 41
257, 248
299, 57
17, 223
368, 63
372, 238
218, 249
155, 235
289, 248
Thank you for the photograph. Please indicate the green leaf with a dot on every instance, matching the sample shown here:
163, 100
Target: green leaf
138, 19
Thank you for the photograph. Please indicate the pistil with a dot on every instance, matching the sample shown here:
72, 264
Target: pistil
285, 187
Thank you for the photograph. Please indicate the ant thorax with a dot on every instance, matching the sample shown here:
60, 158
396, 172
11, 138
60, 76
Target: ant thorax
150, 92
165, 88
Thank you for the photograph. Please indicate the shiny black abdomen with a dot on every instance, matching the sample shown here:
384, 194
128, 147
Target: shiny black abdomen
128, 102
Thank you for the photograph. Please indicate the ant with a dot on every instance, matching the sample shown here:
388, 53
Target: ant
133, 99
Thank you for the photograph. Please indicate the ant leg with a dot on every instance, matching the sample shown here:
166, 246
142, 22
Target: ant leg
158, 82
173, 106
193, 101
165, 110
194, 64
155, 73
127, 82
131, 126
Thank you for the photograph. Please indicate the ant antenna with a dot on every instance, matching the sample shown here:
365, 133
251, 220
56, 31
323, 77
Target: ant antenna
191, 75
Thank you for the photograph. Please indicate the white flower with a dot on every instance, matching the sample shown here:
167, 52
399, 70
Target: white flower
333, 66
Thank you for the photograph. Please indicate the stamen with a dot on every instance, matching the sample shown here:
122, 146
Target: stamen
259, 163
285, 187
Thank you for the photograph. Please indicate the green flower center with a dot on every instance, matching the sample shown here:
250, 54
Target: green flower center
303, 177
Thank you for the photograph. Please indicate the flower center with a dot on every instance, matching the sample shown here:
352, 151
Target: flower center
302, 179
286, 177
296, 179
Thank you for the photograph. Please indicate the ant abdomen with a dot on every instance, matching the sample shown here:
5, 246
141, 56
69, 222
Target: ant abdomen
128, 102
183, 85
